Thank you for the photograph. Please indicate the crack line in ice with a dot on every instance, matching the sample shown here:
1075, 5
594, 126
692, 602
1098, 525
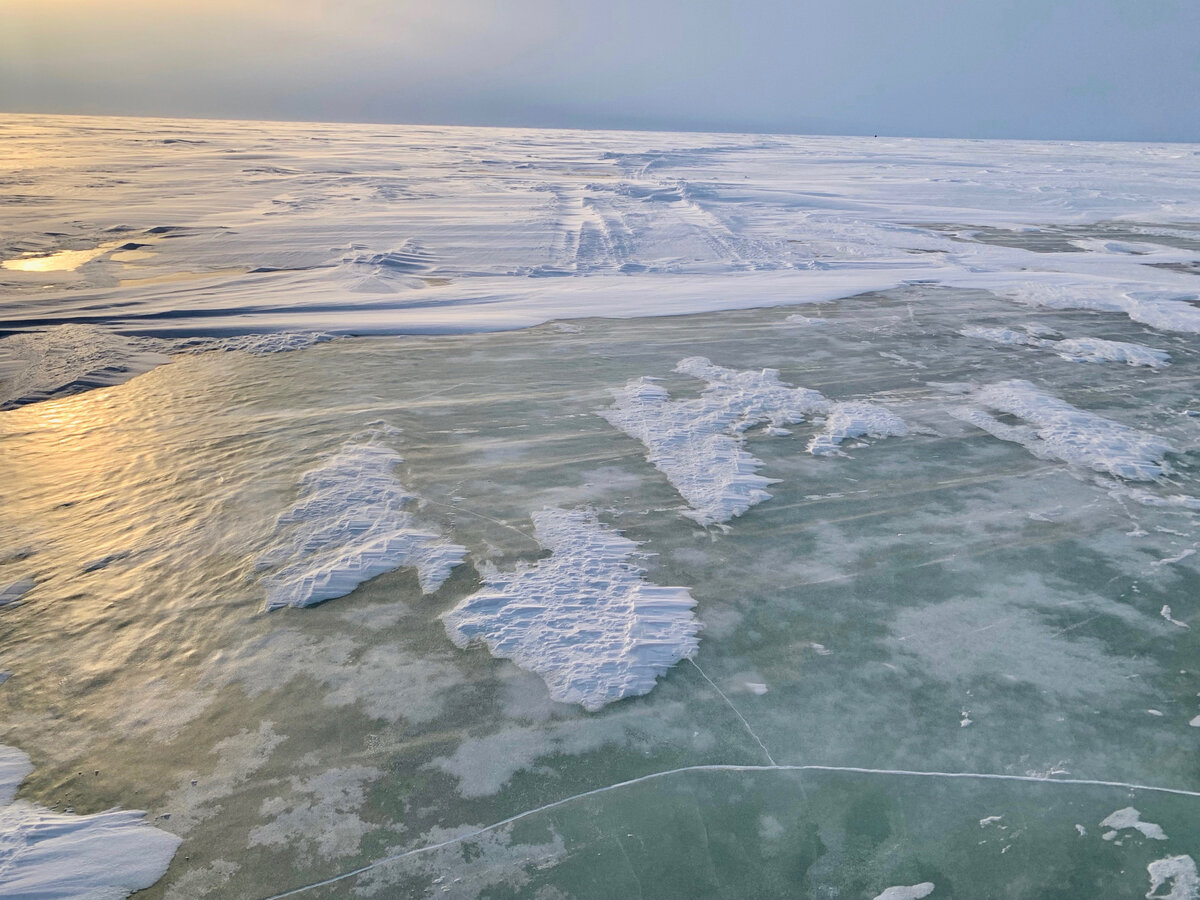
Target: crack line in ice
726, 767
765, 751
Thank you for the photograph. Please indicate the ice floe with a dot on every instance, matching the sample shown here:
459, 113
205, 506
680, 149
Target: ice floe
1057, 430
349, 525
1176, 872
697, 443
584, 618
105, 856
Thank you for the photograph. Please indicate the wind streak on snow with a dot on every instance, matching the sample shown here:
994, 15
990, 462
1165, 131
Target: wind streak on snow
583, 619
1058, 430
350, 525
697, 443
1169, 868
48, 854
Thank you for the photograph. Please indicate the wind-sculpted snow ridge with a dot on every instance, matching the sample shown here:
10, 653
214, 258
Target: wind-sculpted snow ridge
1076, 349
1166, 310
1100, 350
583, 619
697, 443
256, 344
348, 526
854, 419
47, 854
70, 359
1058, 430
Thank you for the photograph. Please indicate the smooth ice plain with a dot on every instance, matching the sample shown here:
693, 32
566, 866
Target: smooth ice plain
491, 513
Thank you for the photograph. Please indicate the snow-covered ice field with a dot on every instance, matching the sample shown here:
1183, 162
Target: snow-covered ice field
500, 513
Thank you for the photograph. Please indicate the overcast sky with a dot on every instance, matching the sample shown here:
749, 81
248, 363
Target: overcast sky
1104, 69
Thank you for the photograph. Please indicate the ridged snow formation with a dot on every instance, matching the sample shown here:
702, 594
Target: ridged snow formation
348, 526
1058, 430
1076, 349
1100, 350
583, 619
853, 419
48, 854
697, 443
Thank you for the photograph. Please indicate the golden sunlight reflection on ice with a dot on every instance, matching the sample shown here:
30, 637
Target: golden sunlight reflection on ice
62, 261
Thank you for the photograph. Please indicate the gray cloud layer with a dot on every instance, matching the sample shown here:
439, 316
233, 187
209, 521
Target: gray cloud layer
1114, 69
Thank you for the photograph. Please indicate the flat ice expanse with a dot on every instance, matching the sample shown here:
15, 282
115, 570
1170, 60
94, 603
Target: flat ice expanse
694, 515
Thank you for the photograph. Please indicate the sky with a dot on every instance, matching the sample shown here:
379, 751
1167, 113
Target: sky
1062, 69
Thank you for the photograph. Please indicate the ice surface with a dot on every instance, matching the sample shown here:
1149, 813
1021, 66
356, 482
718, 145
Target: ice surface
584, 618
15, 590
1057, 430
104, 856
697, 443
349, 525
1176, 872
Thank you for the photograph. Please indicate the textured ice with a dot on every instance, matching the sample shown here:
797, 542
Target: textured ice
584, 619
349, 525
907, 892
1176, 872
1058, 430
697, 443
852, 419
104, 856
1128, 817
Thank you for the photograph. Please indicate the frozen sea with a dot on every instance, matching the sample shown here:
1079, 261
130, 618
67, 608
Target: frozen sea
412, 511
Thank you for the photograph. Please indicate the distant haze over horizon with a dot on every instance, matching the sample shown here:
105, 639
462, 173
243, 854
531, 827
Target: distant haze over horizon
1101, 70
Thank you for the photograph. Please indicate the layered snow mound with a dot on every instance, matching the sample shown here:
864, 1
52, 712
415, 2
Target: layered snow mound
854, 419
1178, 873
583, 619
697, 443
1100, 350
70, 359
1058, 430
348, 526
1076, 349
47, 854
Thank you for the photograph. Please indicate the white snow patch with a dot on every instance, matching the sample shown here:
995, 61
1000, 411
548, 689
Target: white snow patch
697, 443
104, 856
1058, 430
797, 319
348, 526
852, 419
583, 619
1131, 818
907, 892
1179, 872
1001, 336
1165, 612
989, 820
